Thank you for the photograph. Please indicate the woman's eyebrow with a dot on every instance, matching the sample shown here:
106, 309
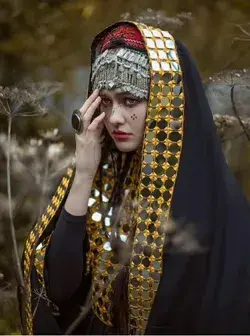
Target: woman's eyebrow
118, 95
123, 94
106, 95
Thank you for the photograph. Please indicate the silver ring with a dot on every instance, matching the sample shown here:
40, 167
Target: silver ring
77, 121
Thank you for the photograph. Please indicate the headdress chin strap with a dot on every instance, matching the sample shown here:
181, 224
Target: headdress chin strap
122, 68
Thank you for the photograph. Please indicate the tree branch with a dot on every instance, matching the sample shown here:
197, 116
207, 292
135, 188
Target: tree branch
237, 114
243, 30
12, 228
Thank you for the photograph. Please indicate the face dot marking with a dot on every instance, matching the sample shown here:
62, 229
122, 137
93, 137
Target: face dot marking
133, 116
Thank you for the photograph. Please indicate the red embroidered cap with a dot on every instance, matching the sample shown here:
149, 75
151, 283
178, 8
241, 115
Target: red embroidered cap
125, 35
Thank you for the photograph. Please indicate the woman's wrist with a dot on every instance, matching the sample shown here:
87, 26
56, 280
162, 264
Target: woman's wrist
83, 178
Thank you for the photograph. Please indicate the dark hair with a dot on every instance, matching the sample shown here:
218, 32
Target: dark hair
119, 301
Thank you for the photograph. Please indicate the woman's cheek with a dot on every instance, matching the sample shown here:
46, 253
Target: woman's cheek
107, 124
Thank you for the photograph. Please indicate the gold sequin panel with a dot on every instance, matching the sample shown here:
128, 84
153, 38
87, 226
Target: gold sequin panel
30, 246
102, 261
160, 160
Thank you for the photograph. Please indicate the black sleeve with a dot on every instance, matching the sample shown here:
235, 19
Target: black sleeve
65, 261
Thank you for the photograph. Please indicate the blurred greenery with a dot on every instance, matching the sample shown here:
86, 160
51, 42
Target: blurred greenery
57, 34
50, 40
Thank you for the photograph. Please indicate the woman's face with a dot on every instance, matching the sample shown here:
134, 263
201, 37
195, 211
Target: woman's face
125, 118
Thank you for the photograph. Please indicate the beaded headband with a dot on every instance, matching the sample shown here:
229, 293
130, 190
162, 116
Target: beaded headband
122, 68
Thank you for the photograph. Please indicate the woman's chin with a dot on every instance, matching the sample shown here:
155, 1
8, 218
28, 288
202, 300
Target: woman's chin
125, 146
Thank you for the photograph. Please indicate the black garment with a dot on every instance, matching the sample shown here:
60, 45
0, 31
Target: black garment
66, 270
65, 261
65, 257
205, 291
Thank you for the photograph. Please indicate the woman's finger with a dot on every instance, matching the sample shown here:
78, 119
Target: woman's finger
91, 110
89, 101
96, 122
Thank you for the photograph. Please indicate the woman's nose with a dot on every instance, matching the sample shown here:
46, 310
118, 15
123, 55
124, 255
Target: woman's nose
117, 115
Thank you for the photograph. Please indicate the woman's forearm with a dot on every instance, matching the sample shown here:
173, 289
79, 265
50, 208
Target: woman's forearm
77, 200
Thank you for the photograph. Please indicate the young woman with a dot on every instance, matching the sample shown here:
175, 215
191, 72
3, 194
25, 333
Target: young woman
147, 156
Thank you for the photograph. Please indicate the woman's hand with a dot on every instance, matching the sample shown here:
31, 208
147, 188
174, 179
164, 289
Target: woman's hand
88, 143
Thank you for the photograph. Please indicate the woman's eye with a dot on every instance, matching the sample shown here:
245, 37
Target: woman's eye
106, 101
130, 101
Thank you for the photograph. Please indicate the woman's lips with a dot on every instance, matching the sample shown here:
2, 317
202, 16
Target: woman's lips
121, 136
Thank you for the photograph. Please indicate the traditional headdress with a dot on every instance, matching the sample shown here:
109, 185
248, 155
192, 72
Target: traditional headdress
122, 63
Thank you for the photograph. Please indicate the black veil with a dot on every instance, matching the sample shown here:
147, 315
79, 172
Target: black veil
213, 279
